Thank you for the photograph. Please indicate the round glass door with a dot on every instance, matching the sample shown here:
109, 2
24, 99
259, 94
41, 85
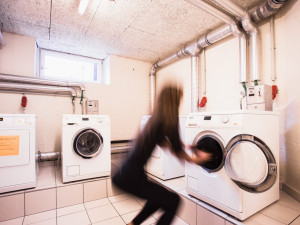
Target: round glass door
250, 163
211, 144
87, 143
246, 163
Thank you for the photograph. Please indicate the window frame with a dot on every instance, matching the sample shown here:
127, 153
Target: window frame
101, 77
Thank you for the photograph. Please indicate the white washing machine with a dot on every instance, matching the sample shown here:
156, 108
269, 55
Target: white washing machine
85, 147
17, 152
243, 176
162, 163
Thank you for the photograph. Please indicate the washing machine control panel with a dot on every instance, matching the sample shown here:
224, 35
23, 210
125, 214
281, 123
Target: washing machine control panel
213, 121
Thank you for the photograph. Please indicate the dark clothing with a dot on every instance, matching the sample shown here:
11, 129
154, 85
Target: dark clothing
132, 178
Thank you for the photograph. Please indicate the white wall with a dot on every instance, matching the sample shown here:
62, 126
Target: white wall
125, 99
223, 87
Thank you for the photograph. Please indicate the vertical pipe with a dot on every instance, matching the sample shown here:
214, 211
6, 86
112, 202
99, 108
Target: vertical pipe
272, 48
243, 58
203, 72
152, 91
194, 83
254, 45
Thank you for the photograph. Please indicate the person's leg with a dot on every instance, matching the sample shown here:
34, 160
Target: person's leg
158, 197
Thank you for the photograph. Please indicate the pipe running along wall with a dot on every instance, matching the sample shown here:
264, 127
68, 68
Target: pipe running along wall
46, 82
258, 13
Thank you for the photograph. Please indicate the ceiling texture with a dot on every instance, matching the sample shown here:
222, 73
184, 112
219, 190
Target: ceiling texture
147, 30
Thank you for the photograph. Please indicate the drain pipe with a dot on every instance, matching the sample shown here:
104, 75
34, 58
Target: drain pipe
47, 156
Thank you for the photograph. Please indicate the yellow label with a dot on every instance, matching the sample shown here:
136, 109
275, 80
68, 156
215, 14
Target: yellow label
9, 145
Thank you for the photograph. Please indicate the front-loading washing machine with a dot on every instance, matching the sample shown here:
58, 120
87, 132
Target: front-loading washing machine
242, 177
85, 147
17, 152
162, 163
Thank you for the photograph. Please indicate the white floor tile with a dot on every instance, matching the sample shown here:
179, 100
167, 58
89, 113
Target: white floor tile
102, 213
79, 218
18, 221
113, 221
260, 219
119, 198
70, 209
296, 221
127, 206
287, 200
130, 216
275, 211
96, 203
35, 218
46, 222
178, 221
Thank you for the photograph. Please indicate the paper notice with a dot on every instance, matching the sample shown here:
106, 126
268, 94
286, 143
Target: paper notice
9, 145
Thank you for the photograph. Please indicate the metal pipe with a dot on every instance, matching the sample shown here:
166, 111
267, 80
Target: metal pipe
195, 83
211, 10
42, 81
2, 40
36, 88
221, 33
152, 91
272, 48
47, 156
249, 27
266, 9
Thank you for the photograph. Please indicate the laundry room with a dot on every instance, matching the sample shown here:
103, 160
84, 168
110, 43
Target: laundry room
66, 131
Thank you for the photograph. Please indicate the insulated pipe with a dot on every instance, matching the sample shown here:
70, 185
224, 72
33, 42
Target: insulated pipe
195, 83
47, 156
2, 40
152, 91
223, 32
36, 88
266, 9
272, 49
42, 81
249, 27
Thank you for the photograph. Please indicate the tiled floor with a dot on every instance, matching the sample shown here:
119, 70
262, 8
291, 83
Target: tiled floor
116, 210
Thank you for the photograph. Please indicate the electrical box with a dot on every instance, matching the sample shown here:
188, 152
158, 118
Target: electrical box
92, 107
259, 98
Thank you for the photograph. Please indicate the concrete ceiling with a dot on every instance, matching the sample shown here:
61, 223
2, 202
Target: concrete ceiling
147, 30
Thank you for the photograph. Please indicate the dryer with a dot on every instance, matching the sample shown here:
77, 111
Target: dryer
85, 147
243, 176
162, 163
17, 152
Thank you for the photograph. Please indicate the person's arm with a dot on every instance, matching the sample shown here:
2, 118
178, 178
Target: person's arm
199, 158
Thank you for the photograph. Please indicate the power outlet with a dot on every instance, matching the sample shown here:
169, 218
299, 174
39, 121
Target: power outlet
92, 107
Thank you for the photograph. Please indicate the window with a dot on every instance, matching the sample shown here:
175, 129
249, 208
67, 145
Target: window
64, 66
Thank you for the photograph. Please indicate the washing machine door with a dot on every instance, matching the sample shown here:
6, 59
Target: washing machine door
87, 143
210, 142
250, 163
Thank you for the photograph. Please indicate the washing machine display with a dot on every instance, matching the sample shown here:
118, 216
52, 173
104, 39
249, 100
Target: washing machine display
242, 177
87, 143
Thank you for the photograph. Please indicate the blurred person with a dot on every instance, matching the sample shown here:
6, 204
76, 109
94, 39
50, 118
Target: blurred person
162, 129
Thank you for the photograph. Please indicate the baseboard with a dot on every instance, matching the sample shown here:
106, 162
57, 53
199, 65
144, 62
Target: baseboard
291, 191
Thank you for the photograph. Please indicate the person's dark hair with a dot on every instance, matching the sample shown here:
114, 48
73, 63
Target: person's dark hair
166, 110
